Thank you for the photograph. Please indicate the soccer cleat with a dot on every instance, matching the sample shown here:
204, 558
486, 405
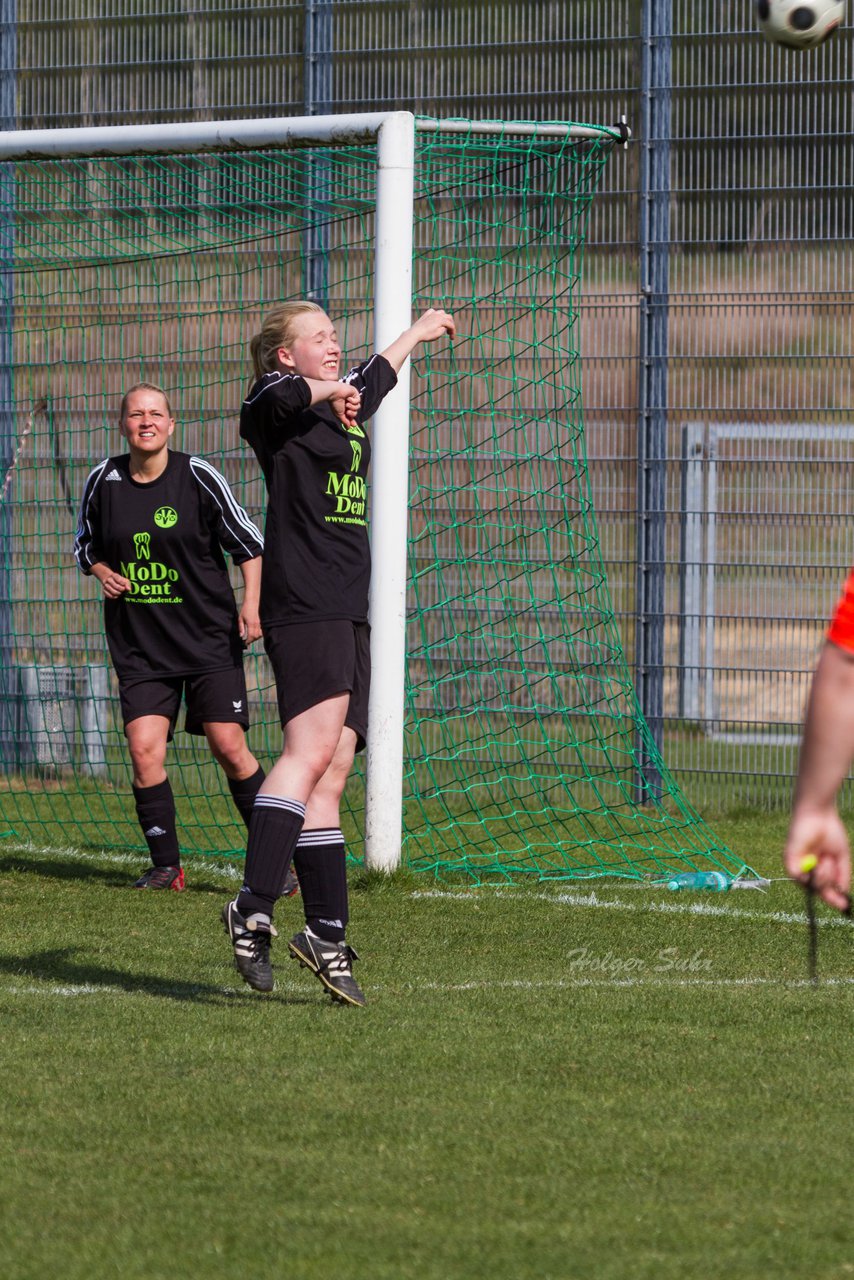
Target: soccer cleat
291, 885
162, 878
331, 962
251, 941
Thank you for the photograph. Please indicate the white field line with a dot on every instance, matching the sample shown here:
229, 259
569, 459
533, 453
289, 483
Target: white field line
66, 990
617, 904
521, 984
96, 989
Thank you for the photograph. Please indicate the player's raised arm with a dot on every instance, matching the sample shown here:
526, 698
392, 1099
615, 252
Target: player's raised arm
433, 324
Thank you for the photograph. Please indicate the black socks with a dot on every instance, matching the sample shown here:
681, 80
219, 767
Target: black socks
321, 867
273, 832
243, 793
155, 809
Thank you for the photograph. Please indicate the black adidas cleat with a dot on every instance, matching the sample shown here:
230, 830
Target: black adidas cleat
251, 941
331, 962
161, 878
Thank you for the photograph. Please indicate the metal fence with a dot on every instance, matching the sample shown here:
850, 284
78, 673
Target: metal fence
716, 314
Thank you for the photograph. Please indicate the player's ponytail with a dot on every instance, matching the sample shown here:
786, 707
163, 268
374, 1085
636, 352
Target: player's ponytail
276, 332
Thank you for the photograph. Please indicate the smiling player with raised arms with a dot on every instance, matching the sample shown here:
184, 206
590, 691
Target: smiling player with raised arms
307, 427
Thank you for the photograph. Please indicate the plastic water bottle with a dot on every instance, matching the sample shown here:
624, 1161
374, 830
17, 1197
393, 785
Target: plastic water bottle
716, 881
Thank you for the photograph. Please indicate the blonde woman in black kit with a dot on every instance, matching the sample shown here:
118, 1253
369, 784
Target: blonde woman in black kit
153, 526
307, 428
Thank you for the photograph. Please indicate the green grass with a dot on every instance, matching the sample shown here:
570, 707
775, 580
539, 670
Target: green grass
548, 1082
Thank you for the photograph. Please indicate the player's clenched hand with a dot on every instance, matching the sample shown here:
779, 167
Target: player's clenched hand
345, 401
114, 585
249, 625
433, 324
819, 836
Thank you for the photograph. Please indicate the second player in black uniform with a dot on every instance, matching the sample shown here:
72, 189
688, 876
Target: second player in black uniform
307, 429
153, 526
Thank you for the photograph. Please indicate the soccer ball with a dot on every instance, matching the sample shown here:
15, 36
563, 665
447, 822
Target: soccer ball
799, 24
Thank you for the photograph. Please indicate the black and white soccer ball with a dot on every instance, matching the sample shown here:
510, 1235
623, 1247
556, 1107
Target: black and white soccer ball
799, 24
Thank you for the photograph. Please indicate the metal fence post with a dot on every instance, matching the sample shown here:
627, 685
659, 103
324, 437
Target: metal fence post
8, 120
317, 80
691, 569
710, 712
94, 717
656, 80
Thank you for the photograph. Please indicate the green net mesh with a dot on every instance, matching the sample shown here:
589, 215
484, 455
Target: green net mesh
522, 730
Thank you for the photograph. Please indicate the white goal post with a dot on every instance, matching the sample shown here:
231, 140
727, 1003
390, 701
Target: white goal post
394, 134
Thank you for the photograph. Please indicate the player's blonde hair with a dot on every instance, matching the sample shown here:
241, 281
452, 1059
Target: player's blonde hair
277, 330
143, 386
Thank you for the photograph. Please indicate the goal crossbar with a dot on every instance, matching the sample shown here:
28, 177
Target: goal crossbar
258, 135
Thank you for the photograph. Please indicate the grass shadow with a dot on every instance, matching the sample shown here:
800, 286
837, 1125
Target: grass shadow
71, 869
61, 869
60, 966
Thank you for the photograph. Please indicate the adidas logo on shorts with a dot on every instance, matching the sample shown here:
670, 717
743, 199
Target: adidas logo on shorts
155, 831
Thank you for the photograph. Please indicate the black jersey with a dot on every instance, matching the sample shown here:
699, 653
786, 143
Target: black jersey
167, 538
317, 561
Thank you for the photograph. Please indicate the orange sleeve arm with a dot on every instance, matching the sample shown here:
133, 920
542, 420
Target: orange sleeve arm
841, 629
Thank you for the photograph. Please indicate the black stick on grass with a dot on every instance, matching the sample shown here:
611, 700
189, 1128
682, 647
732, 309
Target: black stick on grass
808, 866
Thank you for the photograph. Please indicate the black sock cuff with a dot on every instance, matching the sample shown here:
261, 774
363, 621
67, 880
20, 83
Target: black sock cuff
249, 787
280, 804
160, 792
319, 837
329, 930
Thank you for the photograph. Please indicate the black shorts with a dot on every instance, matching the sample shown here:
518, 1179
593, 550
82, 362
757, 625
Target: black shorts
215, 697
314, 661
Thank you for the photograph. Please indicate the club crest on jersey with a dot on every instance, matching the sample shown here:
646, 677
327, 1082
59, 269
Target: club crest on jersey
165, 517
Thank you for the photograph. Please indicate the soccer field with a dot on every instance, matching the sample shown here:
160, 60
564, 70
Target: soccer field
548, 1082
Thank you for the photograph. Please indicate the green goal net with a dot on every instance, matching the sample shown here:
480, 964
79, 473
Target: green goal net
522, 736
